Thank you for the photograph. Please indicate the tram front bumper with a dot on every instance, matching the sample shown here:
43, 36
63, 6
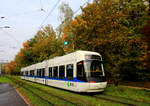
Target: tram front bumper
98, 86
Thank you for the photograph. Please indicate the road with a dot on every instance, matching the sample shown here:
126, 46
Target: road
9, 96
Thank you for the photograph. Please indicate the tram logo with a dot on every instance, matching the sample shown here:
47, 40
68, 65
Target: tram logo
70, 84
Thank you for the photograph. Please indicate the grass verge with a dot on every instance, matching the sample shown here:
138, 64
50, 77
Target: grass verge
82, 99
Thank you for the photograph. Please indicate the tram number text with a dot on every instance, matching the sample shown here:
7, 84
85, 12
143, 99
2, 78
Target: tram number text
71, 84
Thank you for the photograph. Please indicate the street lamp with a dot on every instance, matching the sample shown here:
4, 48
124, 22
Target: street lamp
5, 27
2, 17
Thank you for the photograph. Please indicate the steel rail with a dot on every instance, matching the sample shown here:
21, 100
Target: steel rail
60, 98
130, 99
22, 85
114, 101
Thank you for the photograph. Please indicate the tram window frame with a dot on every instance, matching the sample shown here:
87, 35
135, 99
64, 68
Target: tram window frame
81, 75
62, 71
50, 69
26, 73
37, 72
69, 72
21, 73
43, 72
30, 72
55, 70
40, 72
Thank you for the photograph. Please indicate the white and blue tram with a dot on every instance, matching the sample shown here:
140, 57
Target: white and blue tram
81, 71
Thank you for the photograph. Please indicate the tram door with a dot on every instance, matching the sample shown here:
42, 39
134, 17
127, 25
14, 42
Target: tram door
46, 81
46, 76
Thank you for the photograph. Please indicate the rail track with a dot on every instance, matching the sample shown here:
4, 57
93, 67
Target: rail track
22, 84
97, 97
119, 97
112, 100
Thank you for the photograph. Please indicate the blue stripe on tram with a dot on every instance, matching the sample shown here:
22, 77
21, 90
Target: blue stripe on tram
65, 79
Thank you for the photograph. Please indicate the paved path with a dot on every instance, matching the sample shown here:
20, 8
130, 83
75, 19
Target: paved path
9, 96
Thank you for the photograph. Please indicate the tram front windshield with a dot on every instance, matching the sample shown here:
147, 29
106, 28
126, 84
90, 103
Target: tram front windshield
94, 71
93, 68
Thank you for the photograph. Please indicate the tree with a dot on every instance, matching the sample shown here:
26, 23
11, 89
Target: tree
43, 46
146, 31
10, 68
101, 27
66, 15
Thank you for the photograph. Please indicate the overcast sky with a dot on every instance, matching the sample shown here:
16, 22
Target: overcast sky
24, 18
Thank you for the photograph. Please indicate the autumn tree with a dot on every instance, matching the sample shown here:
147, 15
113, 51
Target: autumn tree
11, 68
146, 32
43, 46
110, 27
101, 27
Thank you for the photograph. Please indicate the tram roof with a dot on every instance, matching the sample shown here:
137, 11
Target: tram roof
75, 56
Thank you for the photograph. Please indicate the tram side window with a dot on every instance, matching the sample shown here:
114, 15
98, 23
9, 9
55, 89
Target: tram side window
26, 73
32, 73
50, 72
61, 72
21, 73
38, 72
56, 72
80, 71
70, 72
43, 72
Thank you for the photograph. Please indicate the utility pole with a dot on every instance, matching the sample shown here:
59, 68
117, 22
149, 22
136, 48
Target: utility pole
0, 68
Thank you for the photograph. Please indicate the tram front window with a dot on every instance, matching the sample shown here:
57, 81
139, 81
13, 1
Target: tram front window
81, 75
94, 71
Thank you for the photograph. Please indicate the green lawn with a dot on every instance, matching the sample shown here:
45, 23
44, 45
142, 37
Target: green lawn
111, 92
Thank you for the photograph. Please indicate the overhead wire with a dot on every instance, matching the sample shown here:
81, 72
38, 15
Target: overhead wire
81, 6
25, 13
49, 13
77, 10
11, 36
41, 5
44, 18
29, 12
41, 25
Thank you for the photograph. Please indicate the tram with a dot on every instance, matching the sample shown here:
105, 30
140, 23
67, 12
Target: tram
80, 71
